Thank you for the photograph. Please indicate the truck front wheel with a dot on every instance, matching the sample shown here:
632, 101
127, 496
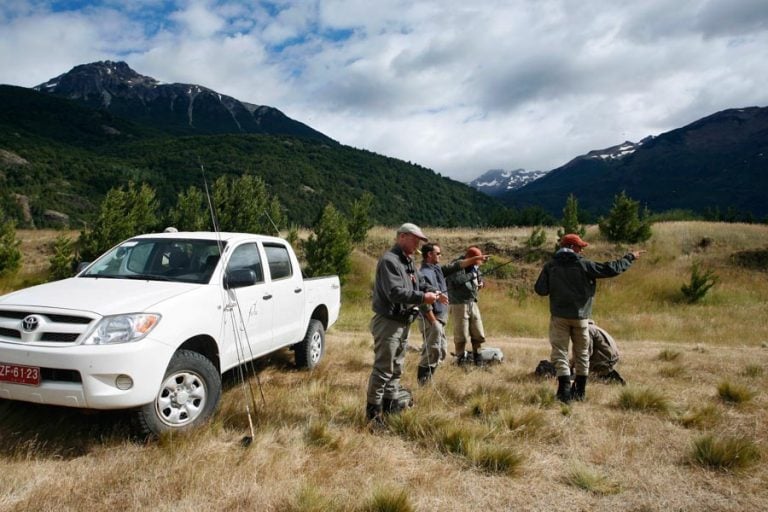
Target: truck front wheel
310, 350
188, 395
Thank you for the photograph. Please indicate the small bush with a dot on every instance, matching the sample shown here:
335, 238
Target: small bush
643, 400
699, 284
62, 259
529, 420
624, 222
734, 393
725, 454
542, 396
537, 238
669, 355
10, 254
585, 478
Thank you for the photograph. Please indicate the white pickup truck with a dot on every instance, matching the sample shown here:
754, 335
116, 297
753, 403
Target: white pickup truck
153, 324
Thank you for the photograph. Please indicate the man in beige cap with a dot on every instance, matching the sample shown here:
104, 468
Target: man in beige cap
396, 297
570, 281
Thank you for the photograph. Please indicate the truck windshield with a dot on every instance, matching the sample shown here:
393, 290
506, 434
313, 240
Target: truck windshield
161, 259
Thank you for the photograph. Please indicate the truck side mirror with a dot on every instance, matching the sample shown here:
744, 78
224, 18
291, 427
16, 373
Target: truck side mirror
239, 278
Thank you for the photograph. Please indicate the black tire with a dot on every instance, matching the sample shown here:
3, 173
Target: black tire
188, 396
310, 350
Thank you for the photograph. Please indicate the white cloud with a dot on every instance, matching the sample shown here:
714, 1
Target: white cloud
456, 86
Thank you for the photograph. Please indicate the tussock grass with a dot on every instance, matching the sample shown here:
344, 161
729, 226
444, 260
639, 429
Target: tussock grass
706, 416
586, 478
389, 500
669, 355
643, 399
733, 393
673, 372
753, 371
729, 453
493, 458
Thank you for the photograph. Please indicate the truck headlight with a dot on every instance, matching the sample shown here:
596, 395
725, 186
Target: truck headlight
122, 328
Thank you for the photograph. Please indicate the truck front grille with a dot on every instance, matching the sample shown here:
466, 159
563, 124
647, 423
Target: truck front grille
42, 327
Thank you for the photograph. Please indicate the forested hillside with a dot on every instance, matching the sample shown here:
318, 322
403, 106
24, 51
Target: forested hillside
64, 157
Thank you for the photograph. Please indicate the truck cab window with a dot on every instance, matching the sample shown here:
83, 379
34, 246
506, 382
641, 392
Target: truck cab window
279, 261
247, 256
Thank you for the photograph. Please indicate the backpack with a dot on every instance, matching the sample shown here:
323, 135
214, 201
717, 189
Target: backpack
603, 351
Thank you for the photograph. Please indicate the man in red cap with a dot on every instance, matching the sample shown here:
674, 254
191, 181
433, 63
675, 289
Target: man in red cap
463, 289
570, 281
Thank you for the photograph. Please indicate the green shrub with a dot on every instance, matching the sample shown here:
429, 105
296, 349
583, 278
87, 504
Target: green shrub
389, 500
699, 284
10, 254
496, 459
537, 238
327, 250
624, 222
62, 259
583, 477
669, 355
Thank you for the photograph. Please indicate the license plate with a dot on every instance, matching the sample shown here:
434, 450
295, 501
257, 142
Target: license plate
18, 374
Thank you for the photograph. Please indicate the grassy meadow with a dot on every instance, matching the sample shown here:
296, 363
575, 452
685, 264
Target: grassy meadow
687, 432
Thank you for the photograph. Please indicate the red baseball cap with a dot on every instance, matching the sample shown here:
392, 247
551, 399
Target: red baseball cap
572, 239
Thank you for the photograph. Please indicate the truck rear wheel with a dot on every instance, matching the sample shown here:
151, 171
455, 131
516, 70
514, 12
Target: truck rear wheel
310, 350
188, 395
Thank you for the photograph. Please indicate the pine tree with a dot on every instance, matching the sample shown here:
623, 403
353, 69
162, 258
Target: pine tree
10, 254
624, 223
191, 211
570, 220
62, 258
122, 214
328, 248
244, 205
360, 219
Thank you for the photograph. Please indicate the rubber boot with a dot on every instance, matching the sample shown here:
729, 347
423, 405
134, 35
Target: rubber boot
424, 374
374, 414
579, 391
564, 388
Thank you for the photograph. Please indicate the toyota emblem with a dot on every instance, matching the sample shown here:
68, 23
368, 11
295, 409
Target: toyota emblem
30, 323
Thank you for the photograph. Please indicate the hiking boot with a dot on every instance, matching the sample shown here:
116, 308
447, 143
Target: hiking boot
613, 376
374, 414
564, 388
579, 390
424, 374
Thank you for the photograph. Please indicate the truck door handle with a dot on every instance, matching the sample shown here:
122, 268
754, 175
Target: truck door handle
297, 290
267, 296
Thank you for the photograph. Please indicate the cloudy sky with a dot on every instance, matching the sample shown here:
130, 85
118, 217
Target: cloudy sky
454, 85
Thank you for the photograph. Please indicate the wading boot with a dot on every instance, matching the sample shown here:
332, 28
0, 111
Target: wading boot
404, 400
579, 391
564, 388
374, 414
463, 359
477, 359
424, 374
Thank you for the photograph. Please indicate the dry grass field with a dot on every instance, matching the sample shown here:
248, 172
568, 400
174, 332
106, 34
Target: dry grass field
688, 432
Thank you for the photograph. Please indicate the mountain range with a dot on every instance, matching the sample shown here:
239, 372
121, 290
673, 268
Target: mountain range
497, 182
65, 143
716, 164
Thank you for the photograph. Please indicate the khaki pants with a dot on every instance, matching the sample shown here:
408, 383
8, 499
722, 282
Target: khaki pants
435, 347
389, 341
467, 326
561, 332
